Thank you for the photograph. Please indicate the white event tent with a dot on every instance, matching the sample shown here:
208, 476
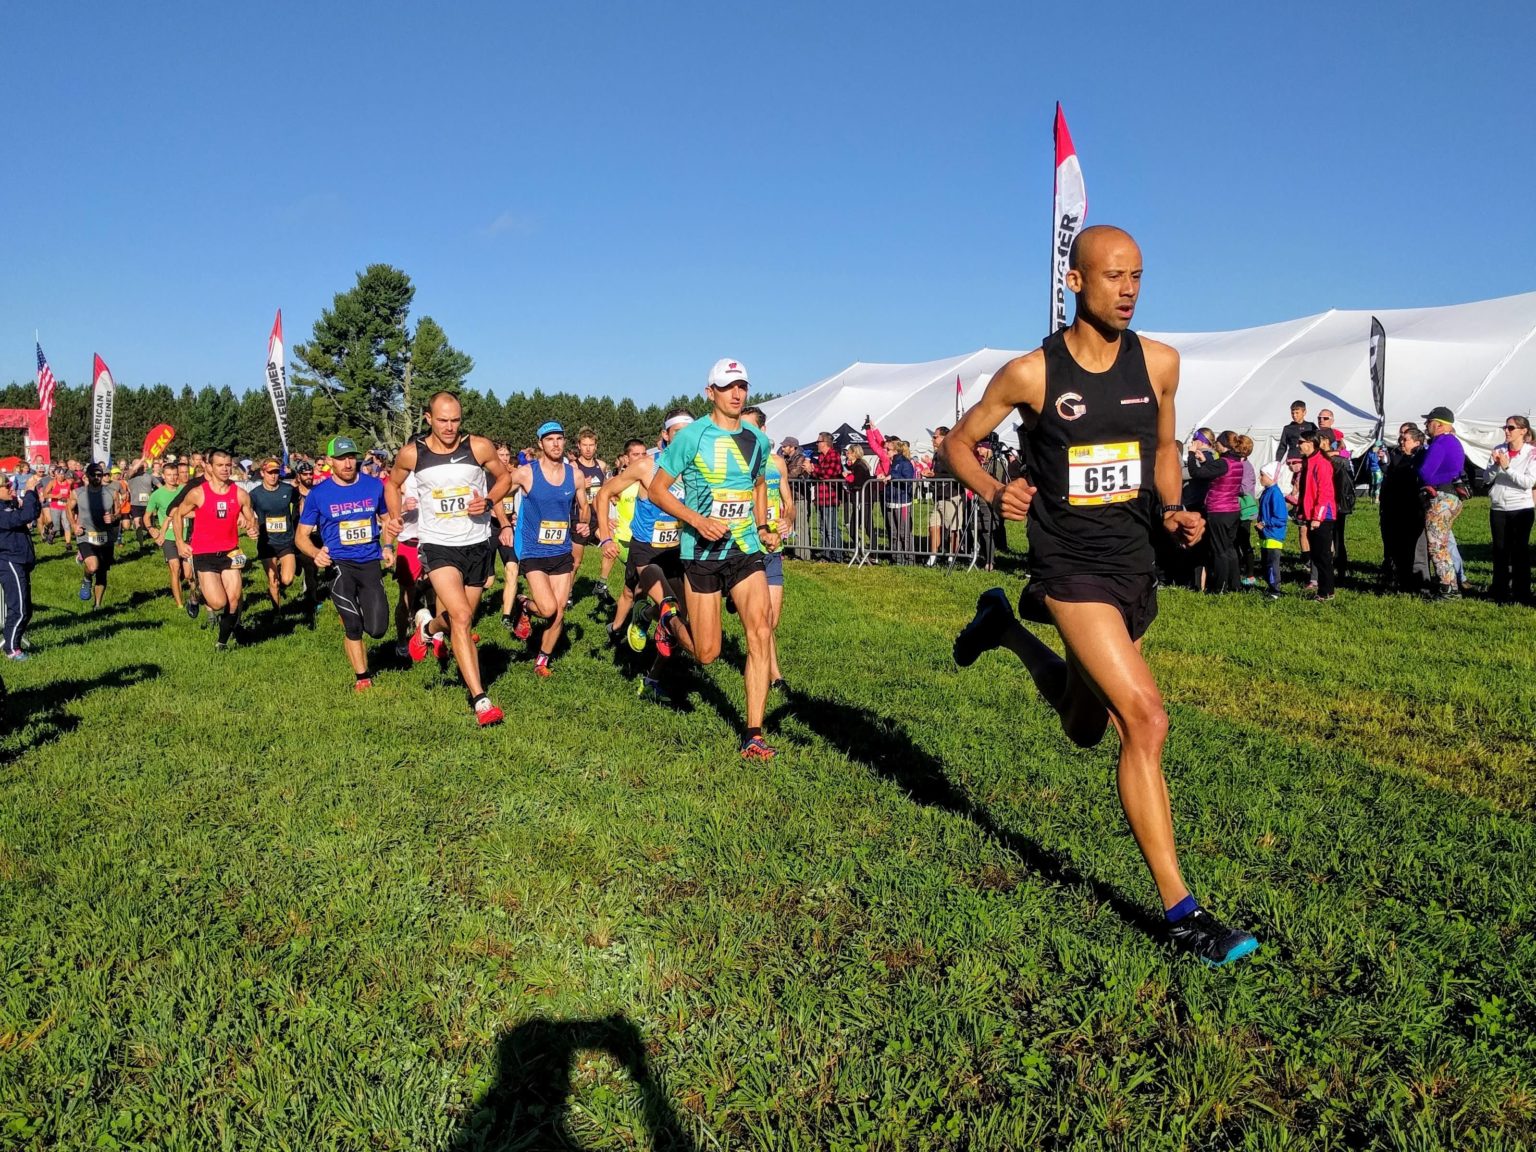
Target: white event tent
1477, 359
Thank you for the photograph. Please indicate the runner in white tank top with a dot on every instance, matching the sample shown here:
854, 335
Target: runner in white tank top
447, 482
460, 480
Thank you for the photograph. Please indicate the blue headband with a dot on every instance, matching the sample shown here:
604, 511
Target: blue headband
549, 428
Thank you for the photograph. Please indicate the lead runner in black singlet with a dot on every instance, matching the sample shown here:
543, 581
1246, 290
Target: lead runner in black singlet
1104, 475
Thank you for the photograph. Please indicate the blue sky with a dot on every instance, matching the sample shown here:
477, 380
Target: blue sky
606, 197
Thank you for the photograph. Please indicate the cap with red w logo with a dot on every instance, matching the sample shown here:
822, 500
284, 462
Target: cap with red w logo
727, 372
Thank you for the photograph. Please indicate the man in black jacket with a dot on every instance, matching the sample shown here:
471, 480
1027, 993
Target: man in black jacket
17, 515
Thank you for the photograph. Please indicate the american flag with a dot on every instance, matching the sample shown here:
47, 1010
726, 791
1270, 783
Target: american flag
44, 383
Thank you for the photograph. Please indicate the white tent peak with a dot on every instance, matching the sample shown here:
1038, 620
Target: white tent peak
1479, 359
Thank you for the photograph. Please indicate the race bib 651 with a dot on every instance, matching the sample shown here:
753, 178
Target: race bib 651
1103, 473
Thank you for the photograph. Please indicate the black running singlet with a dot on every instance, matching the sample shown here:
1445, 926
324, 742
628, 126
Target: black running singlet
1092, 456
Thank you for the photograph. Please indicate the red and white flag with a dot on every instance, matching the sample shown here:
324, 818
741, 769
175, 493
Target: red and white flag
277, 381
103, 392
1070, 209
45, 383
957, 399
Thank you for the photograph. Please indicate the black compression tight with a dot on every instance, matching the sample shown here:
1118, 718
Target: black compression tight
360, 599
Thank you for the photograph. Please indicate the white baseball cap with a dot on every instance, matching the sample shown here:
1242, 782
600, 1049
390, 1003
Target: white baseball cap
727, 372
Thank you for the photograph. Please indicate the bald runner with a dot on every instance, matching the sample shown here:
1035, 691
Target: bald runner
1104, 479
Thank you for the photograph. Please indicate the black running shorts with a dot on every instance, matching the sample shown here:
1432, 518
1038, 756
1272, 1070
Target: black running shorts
706, 576
475, 562
212, 562
641, 556
562, 565
1134, 595
104, 554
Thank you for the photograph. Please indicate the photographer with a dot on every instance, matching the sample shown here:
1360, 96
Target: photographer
797, 470
1205, 467
989, 525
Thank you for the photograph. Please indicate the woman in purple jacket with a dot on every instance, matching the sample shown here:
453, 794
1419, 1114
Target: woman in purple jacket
1440, 471
1223, 516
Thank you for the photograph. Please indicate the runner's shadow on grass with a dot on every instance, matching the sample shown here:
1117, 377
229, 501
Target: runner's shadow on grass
142, 596
886, 749
107, 627
42, 708
528, 1104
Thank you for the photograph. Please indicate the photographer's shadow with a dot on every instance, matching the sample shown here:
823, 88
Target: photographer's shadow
527, 1106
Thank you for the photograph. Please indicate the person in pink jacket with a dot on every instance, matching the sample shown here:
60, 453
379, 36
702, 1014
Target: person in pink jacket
1316, 509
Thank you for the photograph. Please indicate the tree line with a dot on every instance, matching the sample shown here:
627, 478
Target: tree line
245, 424
365, 373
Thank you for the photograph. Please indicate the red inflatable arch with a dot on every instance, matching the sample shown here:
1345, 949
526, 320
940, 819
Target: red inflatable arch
35, 425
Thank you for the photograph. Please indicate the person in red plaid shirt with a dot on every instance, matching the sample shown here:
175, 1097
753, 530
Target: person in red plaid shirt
829, 490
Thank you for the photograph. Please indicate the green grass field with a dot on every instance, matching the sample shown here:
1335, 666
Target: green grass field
242, 907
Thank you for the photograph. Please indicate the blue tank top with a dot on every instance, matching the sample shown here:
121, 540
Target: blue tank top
544, 523
651, 525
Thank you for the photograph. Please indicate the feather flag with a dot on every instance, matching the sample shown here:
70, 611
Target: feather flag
277, 381
1070, 208
103, 392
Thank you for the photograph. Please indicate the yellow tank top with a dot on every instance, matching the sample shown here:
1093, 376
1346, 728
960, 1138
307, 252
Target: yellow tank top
775, 498
626, 503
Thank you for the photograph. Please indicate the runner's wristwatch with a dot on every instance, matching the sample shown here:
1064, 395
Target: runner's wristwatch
1167, 508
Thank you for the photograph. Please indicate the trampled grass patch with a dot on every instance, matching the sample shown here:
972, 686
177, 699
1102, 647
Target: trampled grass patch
241, 906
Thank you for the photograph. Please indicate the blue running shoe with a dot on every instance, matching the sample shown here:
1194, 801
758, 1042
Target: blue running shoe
985, 631
1211, 941
85, 588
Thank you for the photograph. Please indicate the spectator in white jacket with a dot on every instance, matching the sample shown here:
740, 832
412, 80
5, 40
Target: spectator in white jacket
1511, 511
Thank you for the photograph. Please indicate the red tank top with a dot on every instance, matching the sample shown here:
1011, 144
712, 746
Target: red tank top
216, 527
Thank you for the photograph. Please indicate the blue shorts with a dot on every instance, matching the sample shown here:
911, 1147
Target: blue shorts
773, 565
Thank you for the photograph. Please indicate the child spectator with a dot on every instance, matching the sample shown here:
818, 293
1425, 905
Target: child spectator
1273, 518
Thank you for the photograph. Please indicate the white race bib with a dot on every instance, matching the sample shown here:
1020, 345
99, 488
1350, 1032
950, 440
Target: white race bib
732, 505
451, 501
357, 531
1103, 473
97, 539
552, 532
277, 525
664, 534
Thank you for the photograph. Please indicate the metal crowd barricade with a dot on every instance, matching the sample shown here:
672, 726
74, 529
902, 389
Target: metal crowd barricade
890, 521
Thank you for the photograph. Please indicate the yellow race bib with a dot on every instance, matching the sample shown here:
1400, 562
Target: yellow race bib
356, 531
1103, 473
451, 501
733, 505
552, 532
